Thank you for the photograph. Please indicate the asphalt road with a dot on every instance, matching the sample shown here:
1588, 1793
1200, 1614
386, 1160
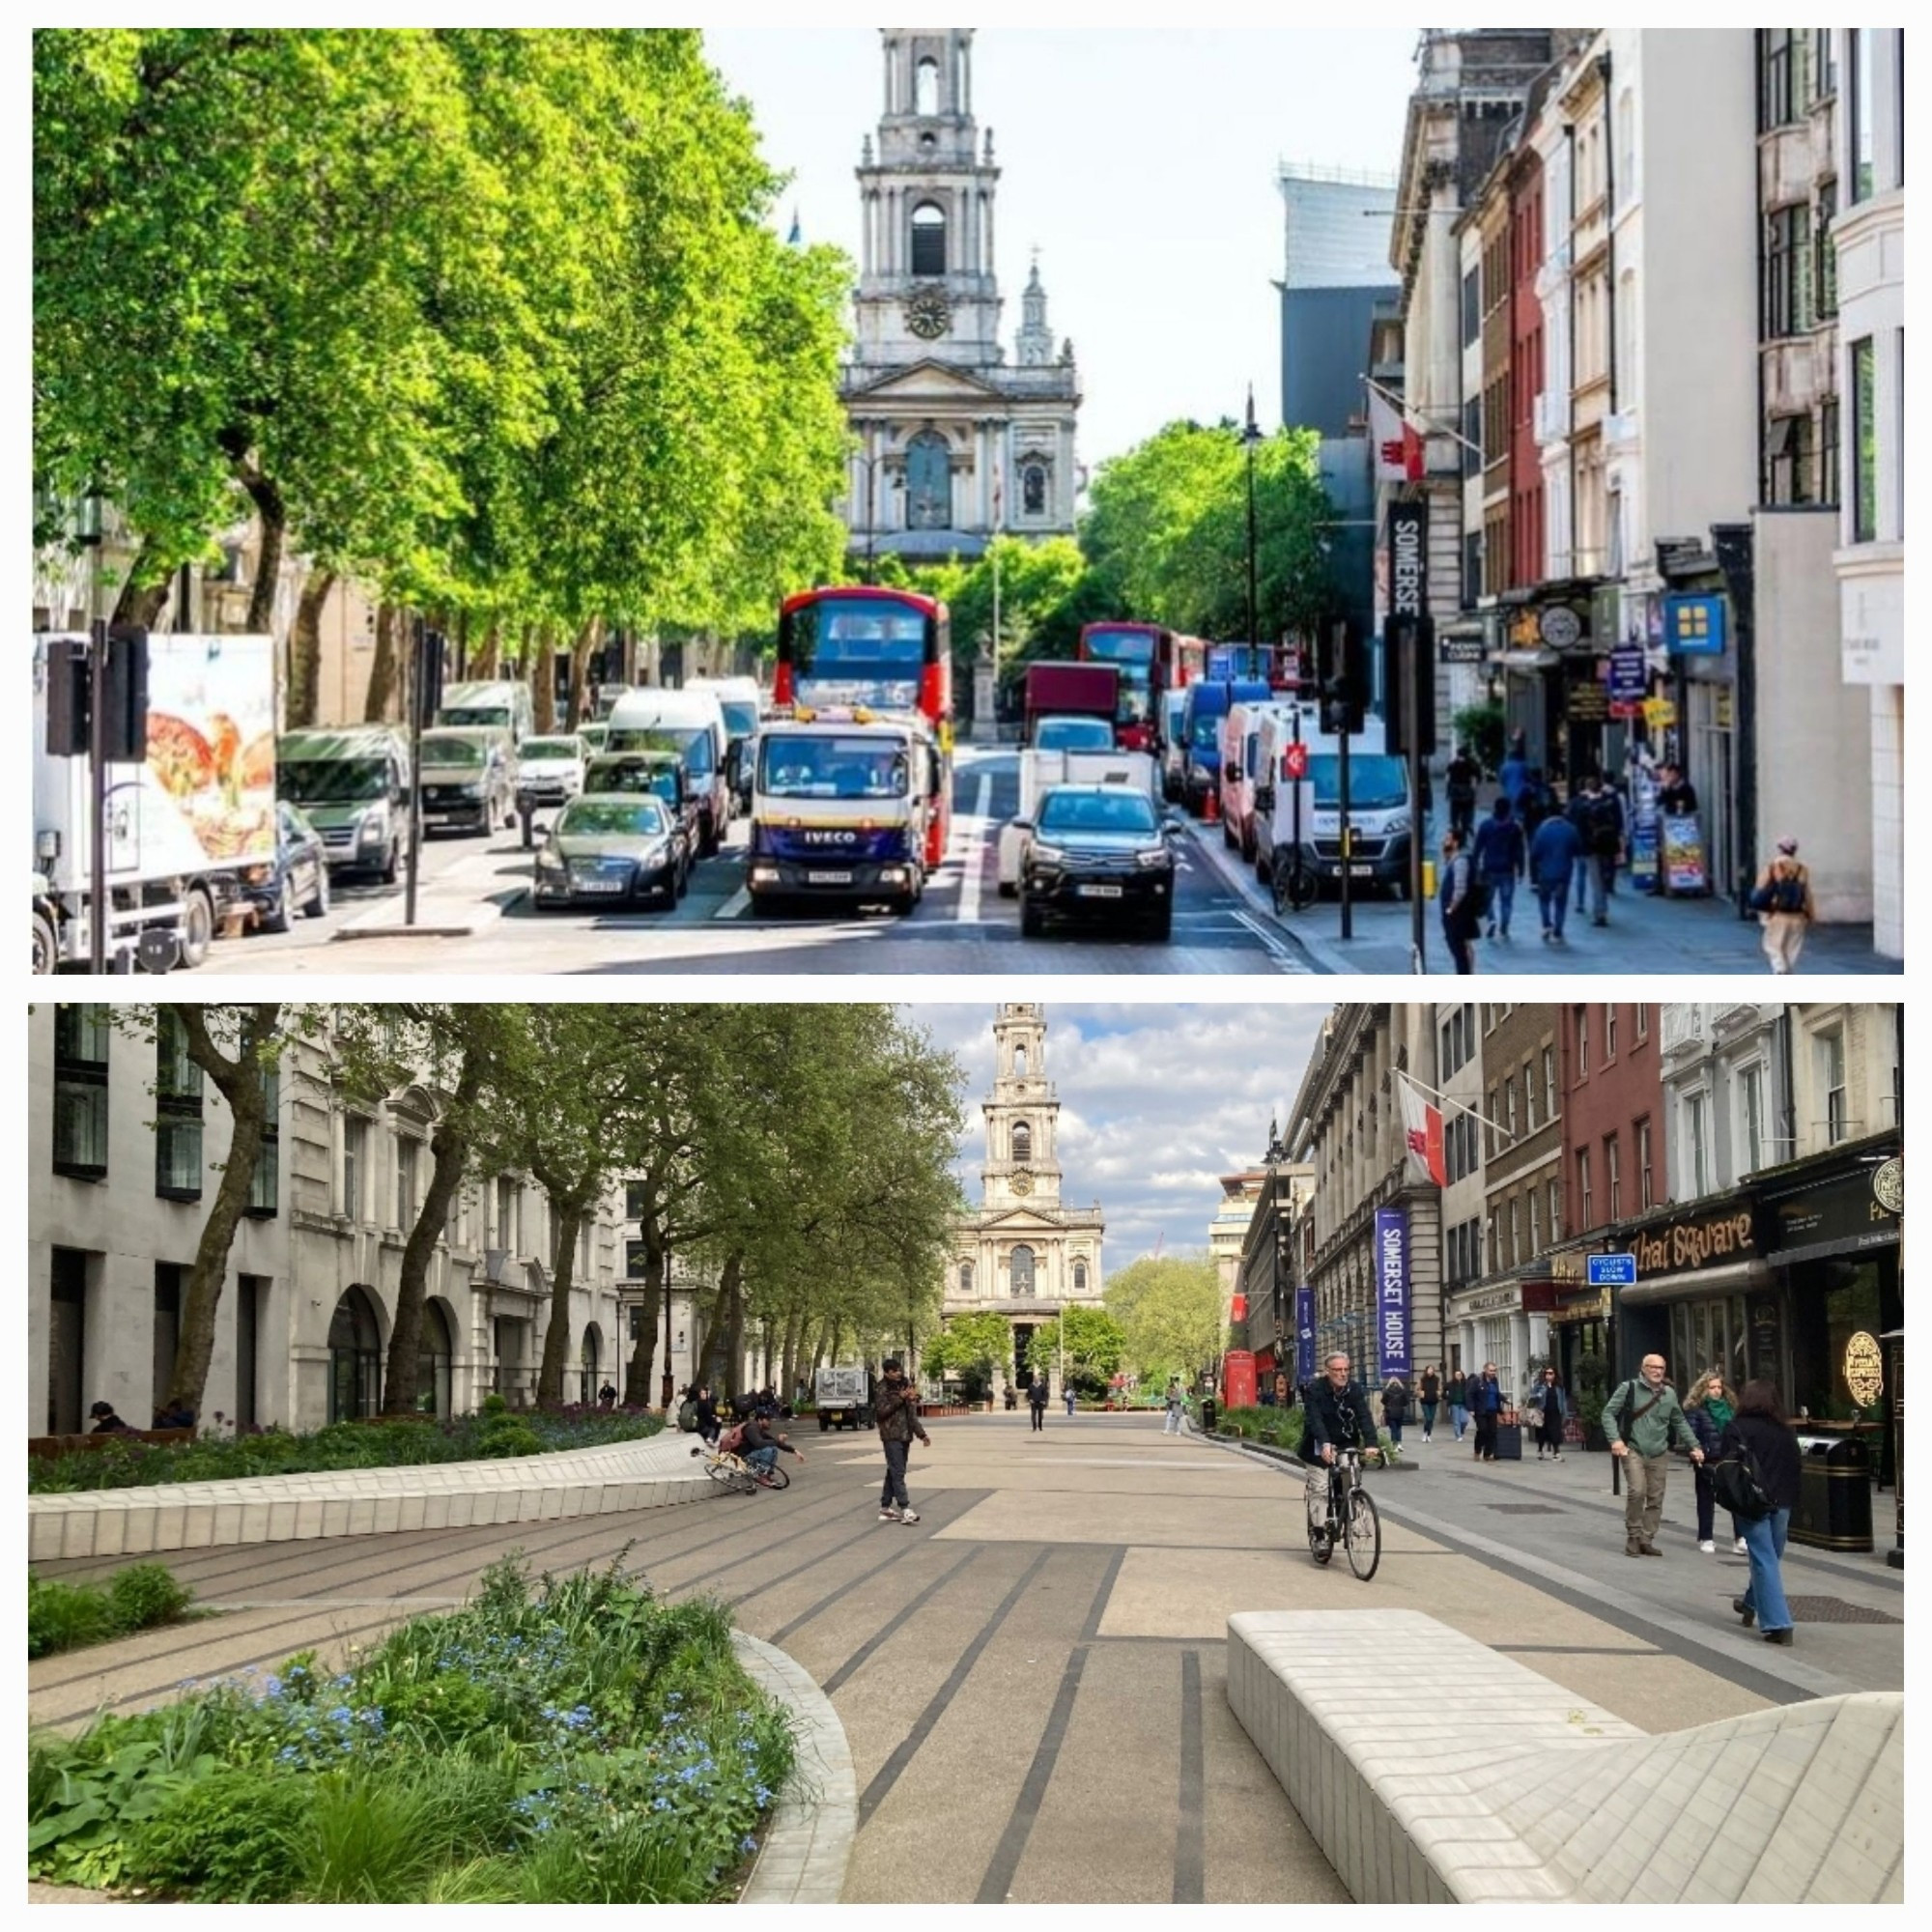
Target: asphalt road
475, 910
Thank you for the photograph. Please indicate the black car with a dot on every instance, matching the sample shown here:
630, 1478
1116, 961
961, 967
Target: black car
296, 880
660, 774
610, 851
1098, 852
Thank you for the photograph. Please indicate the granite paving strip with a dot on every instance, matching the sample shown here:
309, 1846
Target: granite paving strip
808, 1840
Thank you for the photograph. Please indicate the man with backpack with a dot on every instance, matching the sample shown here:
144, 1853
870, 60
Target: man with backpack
1607, 847
1643, 1419
1501, 857
1463, 777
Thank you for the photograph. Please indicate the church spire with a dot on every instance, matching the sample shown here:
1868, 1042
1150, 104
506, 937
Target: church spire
1036, 338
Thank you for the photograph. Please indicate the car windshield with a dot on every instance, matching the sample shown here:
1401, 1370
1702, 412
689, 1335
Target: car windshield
693, 743
1096, 811
613, 817
594, 736
1074, 734
331, 780
791, 767
741, 718
1375, 784
477, 716
446, 752
551, 751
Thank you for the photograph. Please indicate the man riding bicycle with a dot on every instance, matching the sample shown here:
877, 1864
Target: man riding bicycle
758, 1446
1339, 1416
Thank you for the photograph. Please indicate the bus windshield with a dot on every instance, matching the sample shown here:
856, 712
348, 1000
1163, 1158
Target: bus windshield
1376, 783
1120, 647
791, 767
858, 650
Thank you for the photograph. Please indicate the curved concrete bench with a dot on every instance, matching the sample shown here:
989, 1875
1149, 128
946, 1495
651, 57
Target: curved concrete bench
359, 1502
1527, 1792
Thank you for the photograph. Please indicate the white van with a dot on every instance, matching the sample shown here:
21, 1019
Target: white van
1382, 811
692, 724
742, 701
503, 706
1241, 771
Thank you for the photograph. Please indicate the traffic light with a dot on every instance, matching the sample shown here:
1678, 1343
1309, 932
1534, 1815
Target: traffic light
429, 676
66, 697
1341, 668
70, 693
1408, 646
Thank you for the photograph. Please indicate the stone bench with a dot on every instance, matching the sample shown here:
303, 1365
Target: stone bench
1431, 1767
49, 1448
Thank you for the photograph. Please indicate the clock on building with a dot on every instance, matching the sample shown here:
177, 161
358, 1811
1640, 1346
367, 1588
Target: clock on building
1022, 1182
929, 314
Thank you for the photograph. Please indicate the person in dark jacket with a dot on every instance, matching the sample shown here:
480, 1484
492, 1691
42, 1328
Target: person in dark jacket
1485, 1405
1458, 1394
1463, 777
1759, 1425
1431, 1392
759, 1445
1501, 856
704, 1405
1395, 1407
1339, 1416
1455, 890
1037, 1402
897, 1411
1548, 1403
174, 1415
1553, 853
1708, 1408
105, 1422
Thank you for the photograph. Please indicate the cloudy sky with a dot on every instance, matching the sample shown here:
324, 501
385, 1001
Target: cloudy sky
1140, 162
1156, 1103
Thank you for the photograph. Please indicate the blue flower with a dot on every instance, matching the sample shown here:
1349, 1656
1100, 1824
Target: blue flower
762, 1796
274, 1686
748, 1843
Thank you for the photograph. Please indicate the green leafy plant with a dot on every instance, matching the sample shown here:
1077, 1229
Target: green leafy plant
228, 1836
1481, 728
67, 1616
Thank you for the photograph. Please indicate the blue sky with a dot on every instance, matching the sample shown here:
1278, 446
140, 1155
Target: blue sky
1142, 163
1156, 1104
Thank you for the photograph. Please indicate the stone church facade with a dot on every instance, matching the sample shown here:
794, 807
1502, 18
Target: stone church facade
1024, 1255
954, 443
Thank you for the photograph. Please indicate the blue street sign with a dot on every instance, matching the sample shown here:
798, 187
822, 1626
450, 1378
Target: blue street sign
1611, 1270
1630, 675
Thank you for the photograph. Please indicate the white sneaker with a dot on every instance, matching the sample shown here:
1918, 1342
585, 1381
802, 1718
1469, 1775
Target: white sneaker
889, 1515
1709, 1549
1742, 1547
910, 1516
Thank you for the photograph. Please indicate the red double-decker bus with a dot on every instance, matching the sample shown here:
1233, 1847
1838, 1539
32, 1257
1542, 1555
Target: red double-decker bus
868, 647
1139, 653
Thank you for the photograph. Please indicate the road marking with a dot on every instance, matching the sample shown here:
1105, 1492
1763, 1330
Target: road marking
975, 853
1282, 954
735, 905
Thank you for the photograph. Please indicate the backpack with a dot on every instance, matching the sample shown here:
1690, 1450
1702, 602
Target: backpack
1787, 894
1606, 826
1478, 898
1737, 1486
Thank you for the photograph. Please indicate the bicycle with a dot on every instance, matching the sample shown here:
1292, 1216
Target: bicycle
737, 1475
1347, 1514
1293, 882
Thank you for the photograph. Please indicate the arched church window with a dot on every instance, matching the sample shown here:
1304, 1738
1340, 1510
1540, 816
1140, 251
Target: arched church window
965, 1277
1021, 1271
1020, 1063
928, 482
926, 87
1033, 487
1022, 1141
1079, 1277
928, 239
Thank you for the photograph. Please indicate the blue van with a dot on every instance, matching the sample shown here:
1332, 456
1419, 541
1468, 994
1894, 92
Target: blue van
1207, 704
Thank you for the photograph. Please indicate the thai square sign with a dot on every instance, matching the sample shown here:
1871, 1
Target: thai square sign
1391, 1277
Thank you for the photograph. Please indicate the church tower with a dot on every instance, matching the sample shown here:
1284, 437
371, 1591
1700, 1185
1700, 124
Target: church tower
1023, 1114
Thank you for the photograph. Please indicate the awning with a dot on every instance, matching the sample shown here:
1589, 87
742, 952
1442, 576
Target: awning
1699, 1282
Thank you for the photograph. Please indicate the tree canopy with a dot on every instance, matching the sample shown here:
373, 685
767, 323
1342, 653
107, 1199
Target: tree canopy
1168, 1311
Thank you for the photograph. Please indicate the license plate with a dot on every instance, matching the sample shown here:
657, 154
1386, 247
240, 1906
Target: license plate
1098, 891
600, 885
827, 878
1361, 871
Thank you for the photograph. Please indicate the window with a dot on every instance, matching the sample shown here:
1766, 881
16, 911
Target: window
1586, 1215
1079, 1277
1697, 1145
265, 1185
1509, 1107
1022, 1141
1535, 1224
1640, 1022
1514, 1255
926, 87
965, 1277
354, 1164
1776, 64
80, 1092
1491, 1128
1825, 254
1824, 65
1613, 1177
1865, 442
1646, 1192
1788, 460
507, 1191
1610, 1032
1020, 1273
1830, 1053
634, 1198
433, 1362
1789, 271
636, 1259
928, 240
928, 482
407, 1150
1860, 106
1472, 463
1582, 1044
178, 1098
1032, 490
1528, 1097
1472, 308
1555, 1202
1549, 1083
166, 1334
1831, 486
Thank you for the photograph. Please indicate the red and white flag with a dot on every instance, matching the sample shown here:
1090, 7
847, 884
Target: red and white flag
1399, 452
1422, 1125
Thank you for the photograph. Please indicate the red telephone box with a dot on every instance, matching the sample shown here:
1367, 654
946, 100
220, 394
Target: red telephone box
1238, 1378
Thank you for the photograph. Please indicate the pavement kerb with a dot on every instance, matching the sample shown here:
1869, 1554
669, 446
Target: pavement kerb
808, 1838
1331, 957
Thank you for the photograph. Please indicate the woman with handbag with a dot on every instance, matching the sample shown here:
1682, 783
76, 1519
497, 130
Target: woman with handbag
1759, 1435
1707, 1409
1549, 1405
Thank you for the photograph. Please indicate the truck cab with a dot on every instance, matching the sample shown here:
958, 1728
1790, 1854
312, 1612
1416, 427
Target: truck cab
503, 705
354, 785
842, 1397
1068, 751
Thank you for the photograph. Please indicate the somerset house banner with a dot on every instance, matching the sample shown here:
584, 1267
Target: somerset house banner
1392, 1290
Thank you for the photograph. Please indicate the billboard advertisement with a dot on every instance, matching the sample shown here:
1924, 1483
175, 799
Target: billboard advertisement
211, 740
1391, 1277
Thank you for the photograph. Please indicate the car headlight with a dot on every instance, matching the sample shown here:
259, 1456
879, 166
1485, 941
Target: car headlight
549, 860
657, 855
1048, 855
1396, 826
1153, 856
373, 829
472, 790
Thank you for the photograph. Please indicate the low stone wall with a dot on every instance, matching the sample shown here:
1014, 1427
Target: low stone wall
152, 1518
809, 1838
1506, 1786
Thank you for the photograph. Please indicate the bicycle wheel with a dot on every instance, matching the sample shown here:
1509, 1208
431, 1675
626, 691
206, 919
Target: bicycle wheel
1364, 1535
721, 1471
776, 1478
1295, 886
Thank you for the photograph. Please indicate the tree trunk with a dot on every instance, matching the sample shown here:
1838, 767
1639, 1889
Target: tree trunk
643, 1351
587, 642
238, 1081
543, 682
491, 655
382, 672
794, 1320
462, 643
267, 500
141, 603
566, 1218
734, 1304
449, 1147
305, 650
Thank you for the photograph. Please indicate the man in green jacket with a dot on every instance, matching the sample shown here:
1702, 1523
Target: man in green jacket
1643, 1419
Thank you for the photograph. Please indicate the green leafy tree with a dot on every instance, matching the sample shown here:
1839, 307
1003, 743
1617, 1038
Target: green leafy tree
974, 1348
1095, 1346
1168, 1311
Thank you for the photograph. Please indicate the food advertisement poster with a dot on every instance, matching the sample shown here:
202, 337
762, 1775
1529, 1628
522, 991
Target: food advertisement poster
211, 740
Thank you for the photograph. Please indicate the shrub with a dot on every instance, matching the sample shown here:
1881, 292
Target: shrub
1481, 728
228, 1836
1278, 1428
147, 1594
69, 1616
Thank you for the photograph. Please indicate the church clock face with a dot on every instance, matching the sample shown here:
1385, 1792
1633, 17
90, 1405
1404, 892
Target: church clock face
1022, 1182
929, 314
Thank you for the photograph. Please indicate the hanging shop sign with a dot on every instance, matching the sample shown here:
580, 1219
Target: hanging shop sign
1864, 1369
1304, 1335
1889, 1186
1391, 1266
1630, 674
1698, 1241
1660, 714
1837, 1217
1694, 627
1587, 704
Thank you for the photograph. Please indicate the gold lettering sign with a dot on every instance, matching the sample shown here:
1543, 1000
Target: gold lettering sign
1692, 1244
1864, 1369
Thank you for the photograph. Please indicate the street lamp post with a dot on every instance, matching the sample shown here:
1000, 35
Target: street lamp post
1251, 435
668, 1383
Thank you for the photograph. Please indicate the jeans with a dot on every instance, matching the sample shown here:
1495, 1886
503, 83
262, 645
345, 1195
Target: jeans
761, 1460
1460, 1416
893, 1495
1764, 1539
1552, 899
1502, 900
1644, 1495
1393, 1427
1428, 1420
1039, 1415
1589, 873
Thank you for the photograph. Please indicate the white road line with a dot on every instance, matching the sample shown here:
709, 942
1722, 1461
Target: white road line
1283, 955
734, 905
975, 855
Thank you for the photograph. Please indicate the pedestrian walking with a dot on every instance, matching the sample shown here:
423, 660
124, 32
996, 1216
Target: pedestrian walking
1456, 1390
1550, 1407
1067, 1396
1501, 857
1514, 773
1708, 1408
895, 1409
1485, 1408
1174, 1406
1585, 803
1432, 1397
1395, 1407
1036, 1403
1553, 853
1462, 778
1784, 906
1607, 844
1643, 1420
1460, 904
1759, 1428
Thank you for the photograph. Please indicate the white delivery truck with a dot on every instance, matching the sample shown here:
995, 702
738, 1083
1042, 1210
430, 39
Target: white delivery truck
842, 1397
1381, 815
1049, 761
503, 705
1241, 771
179, 825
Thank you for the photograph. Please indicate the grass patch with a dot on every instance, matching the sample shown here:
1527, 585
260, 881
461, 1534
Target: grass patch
576, 1742
69, 1616
494, 1430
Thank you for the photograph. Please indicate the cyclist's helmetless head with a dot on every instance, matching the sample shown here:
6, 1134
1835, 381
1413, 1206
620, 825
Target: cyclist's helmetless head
1338, 1370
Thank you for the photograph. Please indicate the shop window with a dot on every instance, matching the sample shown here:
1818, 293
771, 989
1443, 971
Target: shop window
178, 1114
1832, 1301
80, 1092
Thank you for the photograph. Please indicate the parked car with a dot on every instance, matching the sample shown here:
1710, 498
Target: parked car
469, 779
595, 736
296, 880
609, 851
352, 785
1099, 852
662, 775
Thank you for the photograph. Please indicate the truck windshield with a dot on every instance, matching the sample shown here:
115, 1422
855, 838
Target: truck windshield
1074, 734
445, 752
1206, 731
831, 767
477, 716
741, 718
331, 780
1375, 784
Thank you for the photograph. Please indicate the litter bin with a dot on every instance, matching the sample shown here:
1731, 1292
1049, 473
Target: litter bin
1207, 1413
1835, 1506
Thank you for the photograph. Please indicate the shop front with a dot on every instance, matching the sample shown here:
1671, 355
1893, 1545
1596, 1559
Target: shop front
1578, 1319
1704, 1298
1488, 1324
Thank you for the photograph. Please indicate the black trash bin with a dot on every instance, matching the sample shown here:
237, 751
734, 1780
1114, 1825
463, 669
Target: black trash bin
1208, 1412
1835, 1505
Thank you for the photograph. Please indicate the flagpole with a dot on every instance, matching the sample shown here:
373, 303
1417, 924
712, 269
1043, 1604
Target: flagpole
1507, 1135
1426, 419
